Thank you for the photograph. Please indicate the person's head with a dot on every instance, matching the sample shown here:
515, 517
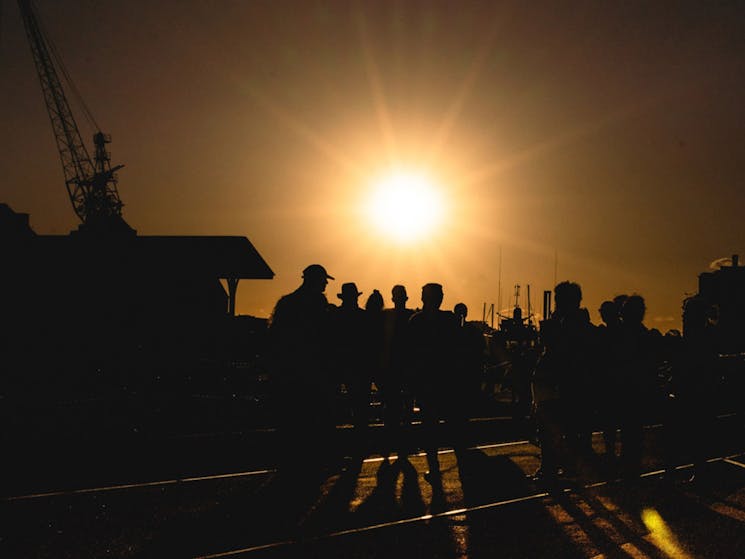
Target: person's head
568, 296
461, 312
315, 277
399, 296
349, 294
432, 295
609, 313
633, 310
374, 301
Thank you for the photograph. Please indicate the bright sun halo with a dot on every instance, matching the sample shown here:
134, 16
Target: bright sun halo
405, 206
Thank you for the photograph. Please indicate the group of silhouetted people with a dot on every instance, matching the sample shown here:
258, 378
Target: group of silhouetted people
610, 377
585, 377
430, 356
591, 376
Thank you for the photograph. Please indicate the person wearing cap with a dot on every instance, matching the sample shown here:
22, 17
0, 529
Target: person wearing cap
349, 349
299, 330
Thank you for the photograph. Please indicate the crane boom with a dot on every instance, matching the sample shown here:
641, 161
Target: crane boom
91, 186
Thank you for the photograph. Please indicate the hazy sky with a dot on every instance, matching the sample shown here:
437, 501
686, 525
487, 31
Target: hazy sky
609, 134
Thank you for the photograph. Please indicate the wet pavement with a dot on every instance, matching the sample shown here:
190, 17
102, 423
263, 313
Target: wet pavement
239, 505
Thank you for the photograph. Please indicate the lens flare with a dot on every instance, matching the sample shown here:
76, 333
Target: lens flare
661, 535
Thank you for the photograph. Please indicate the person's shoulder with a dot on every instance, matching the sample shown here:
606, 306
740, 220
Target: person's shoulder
402, 316
447, 319
550, 325
578, 321
449, 316
650, 335
282, 308
474, 327
403, 312
286, 297
289, 297
283, 302
416, 316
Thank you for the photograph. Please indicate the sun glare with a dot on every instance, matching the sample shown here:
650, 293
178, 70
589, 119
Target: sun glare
405, 206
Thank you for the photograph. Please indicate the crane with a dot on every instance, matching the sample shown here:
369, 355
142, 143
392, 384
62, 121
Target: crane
91, 184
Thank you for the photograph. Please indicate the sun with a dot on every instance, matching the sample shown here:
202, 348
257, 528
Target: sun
405, 206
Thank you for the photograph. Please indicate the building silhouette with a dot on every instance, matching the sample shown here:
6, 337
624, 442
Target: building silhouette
723, 293
82, 302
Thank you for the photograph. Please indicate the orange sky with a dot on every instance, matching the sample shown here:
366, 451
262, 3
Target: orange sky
608, 134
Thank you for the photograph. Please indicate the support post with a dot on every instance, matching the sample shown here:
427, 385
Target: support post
232, 291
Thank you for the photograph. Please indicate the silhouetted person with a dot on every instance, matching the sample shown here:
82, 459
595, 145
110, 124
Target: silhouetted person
460, 310
433, 335
374, 337
519, 338
515, 327
608, 375
694, 385
560, 379
618, 301
375, 302
299, 335
609, 314
394, 379
637, 365
470, 345
351, 343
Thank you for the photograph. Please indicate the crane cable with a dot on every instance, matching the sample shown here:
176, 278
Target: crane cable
1, 34
63, 69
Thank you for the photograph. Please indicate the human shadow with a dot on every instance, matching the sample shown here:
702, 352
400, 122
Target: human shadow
381, 504
331, 511
486, 478
412, 503
500, 502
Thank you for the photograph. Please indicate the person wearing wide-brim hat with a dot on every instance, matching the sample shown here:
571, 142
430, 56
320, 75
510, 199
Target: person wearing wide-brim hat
352, 370
349, 293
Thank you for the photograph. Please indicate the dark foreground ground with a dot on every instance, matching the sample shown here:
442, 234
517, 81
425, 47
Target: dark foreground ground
220, 496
